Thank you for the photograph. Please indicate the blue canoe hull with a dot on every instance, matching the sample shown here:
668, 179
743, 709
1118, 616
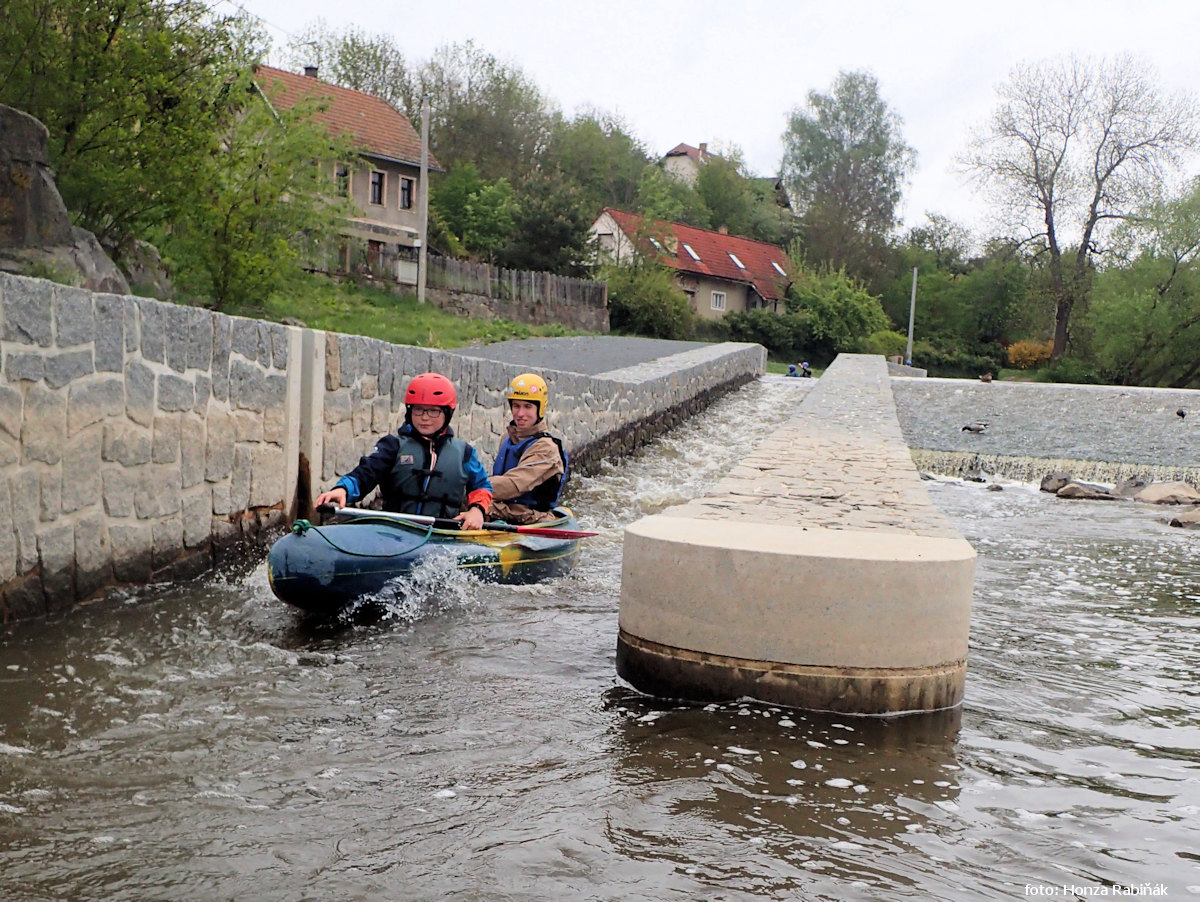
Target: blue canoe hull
326, 568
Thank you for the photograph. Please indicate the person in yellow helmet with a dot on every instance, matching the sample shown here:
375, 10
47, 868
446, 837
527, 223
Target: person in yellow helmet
531, 466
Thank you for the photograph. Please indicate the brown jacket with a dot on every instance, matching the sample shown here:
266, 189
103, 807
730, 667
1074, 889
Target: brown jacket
540, 462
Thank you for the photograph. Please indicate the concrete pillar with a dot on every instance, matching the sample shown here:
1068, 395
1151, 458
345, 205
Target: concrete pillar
815, 575
823, 619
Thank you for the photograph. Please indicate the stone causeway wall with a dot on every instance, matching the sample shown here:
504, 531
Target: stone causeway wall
142, 441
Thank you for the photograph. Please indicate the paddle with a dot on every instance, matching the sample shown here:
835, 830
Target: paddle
442, 523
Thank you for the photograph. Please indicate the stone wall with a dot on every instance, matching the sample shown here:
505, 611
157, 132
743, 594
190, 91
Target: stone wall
144, 441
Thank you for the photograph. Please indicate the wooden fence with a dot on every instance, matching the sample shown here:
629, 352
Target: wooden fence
512, 285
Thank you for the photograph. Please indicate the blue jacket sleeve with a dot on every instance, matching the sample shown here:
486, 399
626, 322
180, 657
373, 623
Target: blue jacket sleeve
371, 469
477, 475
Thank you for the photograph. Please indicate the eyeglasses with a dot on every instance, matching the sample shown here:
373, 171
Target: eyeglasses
427, 412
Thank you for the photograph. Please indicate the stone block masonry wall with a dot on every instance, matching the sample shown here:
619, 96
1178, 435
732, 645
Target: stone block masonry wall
596, 416
146, 441
137, 440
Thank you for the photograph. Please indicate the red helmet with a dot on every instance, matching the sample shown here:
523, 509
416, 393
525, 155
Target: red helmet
431, 390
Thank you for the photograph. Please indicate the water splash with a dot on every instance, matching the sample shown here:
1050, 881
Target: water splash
433, 587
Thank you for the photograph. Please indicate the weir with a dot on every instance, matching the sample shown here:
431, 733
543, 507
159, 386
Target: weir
816, 575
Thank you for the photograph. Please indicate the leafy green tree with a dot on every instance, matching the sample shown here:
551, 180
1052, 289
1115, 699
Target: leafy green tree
352, 58
550, 227
1070, 150
724, 189
844, 164
491, 213
450, 198
478, 214
267, 203
840, 311
598, 153
1144, 317
668, 199
133, 93
484, 112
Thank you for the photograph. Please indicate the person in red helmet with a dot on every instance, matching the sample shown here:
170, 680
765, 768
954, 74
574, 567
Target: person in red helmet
422, 469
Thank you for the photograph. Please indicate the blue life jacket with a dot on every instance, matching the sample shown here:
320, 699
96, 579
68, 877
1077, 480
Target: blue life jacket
542, 497
412, 488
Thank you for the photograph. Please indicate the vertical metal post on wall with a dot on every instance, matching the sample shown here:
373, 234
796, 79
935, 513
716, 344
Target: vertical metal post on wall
912, 309
423, 205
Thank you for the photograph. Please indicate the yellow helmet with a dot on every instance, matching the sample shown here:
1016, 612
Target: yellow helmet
529, 387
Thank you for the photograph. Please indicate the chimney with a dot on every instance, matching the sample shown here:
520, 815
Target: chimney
703, 148
310, 71
724, 230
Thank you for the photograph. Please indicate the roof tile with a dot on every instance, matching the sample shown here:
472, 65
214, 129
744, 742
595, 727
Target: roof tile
714, 250
375, 125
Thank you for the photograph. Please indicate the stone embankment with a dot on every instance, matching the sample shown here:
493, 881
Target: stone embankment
143, 441
816, 575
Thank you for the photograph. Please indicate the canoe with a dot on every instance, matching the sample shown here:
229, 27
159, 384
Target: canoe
322, 569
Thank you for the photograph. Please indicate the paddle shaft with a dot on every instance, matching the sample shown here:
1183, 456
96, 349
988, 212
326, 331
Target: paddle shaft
443, 523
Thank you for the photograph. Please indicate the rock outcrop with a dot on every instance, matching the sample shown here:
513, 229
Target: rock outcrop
36, 234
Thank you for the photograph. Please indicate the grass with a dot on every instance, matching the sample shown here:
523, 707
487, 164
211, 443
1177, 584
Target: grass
377, 312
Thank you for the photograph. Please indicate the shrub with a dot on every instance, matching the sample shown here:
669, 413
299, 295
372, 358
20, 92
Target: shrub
1026, 354
886, 343
784, 335
642, 300
954, 362
1068, 369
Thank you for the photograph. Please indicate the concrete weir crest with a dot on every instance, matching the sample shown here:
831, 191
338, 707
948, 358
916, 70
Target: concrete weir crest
816, 575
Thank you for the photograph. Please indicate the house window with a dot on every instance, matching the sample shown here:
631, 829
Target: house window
692, 253
736, 262
374, 252
607, 242
342, 175
779, 269
377, 187
406, 194
718, 300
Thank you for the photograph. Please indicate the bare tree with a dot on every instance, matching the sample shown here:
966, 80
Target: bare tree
1074, 146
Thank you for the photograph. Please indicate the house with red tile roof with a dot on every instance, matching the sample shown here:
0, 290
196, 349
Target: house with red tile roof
684, 161
383, 183
718, 272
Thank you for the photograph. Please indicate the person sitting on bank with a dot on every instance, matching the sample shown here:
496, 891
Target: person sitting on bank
422, 469
805, 372
792, 370
531, 467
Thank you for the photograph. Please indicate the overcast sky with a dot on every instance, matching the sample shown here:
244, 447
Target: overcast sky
729, 72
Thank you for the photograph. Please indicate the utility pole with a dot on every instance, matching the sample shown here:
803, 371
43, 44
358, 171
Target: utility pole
423, 204
912, 309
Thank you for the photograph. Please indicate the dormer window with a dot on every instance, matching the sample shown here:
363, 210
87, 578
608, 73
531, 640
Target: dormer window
687, 247
779, 269
736, 262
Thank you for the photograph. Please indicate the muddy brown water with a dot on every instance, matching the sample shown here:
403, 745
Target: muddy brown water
200, 741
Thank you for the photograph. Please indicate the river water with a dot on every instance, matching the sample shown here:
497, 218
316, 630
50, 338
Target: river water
199, 741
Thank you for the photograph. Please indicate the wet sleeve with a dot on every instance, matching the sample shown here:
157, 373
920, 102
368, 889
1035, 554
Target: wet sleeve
479, 487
